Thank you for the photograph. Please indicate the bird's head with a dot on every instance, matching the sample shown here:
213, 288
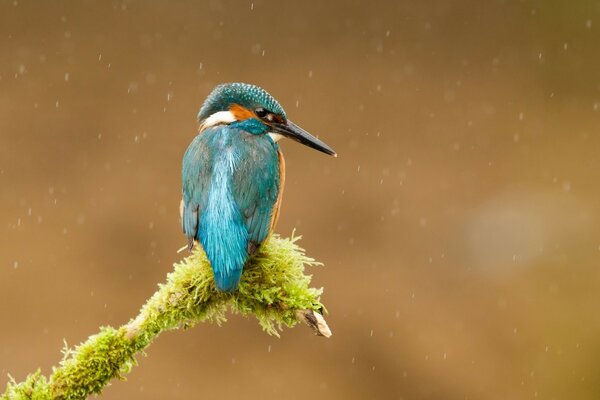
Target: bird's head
260, 113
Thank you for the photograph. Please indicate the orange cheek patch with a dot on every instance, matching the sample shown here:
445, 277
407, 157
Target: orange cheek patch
241, 113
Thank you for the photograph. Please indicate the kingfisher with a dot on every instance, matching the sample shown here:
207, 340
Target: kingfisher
233, 175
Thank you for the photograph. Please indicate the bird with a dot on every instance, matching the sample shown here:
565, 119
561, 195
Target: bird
233, 175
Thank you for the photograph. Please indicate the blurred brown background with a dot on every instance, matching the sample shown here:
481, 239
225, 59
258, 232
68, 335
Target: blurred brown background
459, 226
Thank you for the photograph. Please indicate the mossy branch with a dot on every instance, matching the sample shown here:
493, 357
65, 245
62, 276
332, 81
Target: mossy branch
273, 287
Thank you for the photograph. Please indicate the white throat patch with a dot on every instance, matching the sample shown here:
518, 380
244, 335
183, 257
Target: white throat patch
275, 136
218, 118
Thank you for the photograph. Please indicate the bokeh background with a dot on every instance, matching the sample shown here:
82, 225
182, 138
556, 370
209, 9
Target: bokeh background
458, 227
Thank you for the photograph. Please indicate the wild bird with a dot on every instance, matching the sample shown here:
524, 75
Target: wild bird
233, 176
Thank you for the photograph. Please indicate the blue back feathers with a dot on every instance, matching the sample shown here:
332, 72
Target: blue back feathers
230, 187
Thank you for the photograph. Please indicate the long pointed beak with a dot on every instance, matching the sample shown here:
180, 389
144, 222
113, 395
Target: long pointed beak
294, 132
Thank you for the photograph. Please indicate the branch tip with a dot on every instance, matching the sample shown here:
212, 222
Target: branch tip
315, 321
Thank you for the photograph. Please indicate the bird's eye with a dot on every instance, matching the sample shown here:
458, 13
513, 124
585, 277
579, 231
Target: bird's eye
261, 112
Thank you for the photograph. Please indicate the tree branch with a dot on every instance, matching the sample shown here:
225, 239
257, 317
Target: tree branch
274, 288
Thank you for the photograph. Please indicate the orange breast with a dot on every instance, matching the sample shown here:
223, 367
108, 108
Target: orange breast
277, 206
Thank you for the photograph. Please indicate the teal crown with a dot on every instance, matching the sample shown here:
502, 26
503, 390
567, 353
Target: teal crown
244, 94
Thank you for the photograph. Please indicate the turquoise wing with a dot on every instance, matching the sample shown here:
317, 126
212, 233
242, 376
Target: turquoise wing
256, 184
196, 176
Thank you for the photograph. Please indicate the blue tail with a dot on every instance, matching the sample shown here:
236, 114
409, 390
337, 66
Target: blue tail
222, 232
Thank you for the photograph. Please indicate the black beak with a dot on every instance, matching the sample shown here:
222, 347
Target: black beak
294, 132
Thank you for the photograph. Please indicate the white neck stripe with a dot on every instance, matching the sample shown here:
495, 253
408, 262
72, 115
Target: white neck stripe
218, 118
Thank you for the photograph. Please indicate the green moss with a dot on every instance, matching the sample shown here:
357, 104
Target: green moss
273, 288
89, 367
35, 387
